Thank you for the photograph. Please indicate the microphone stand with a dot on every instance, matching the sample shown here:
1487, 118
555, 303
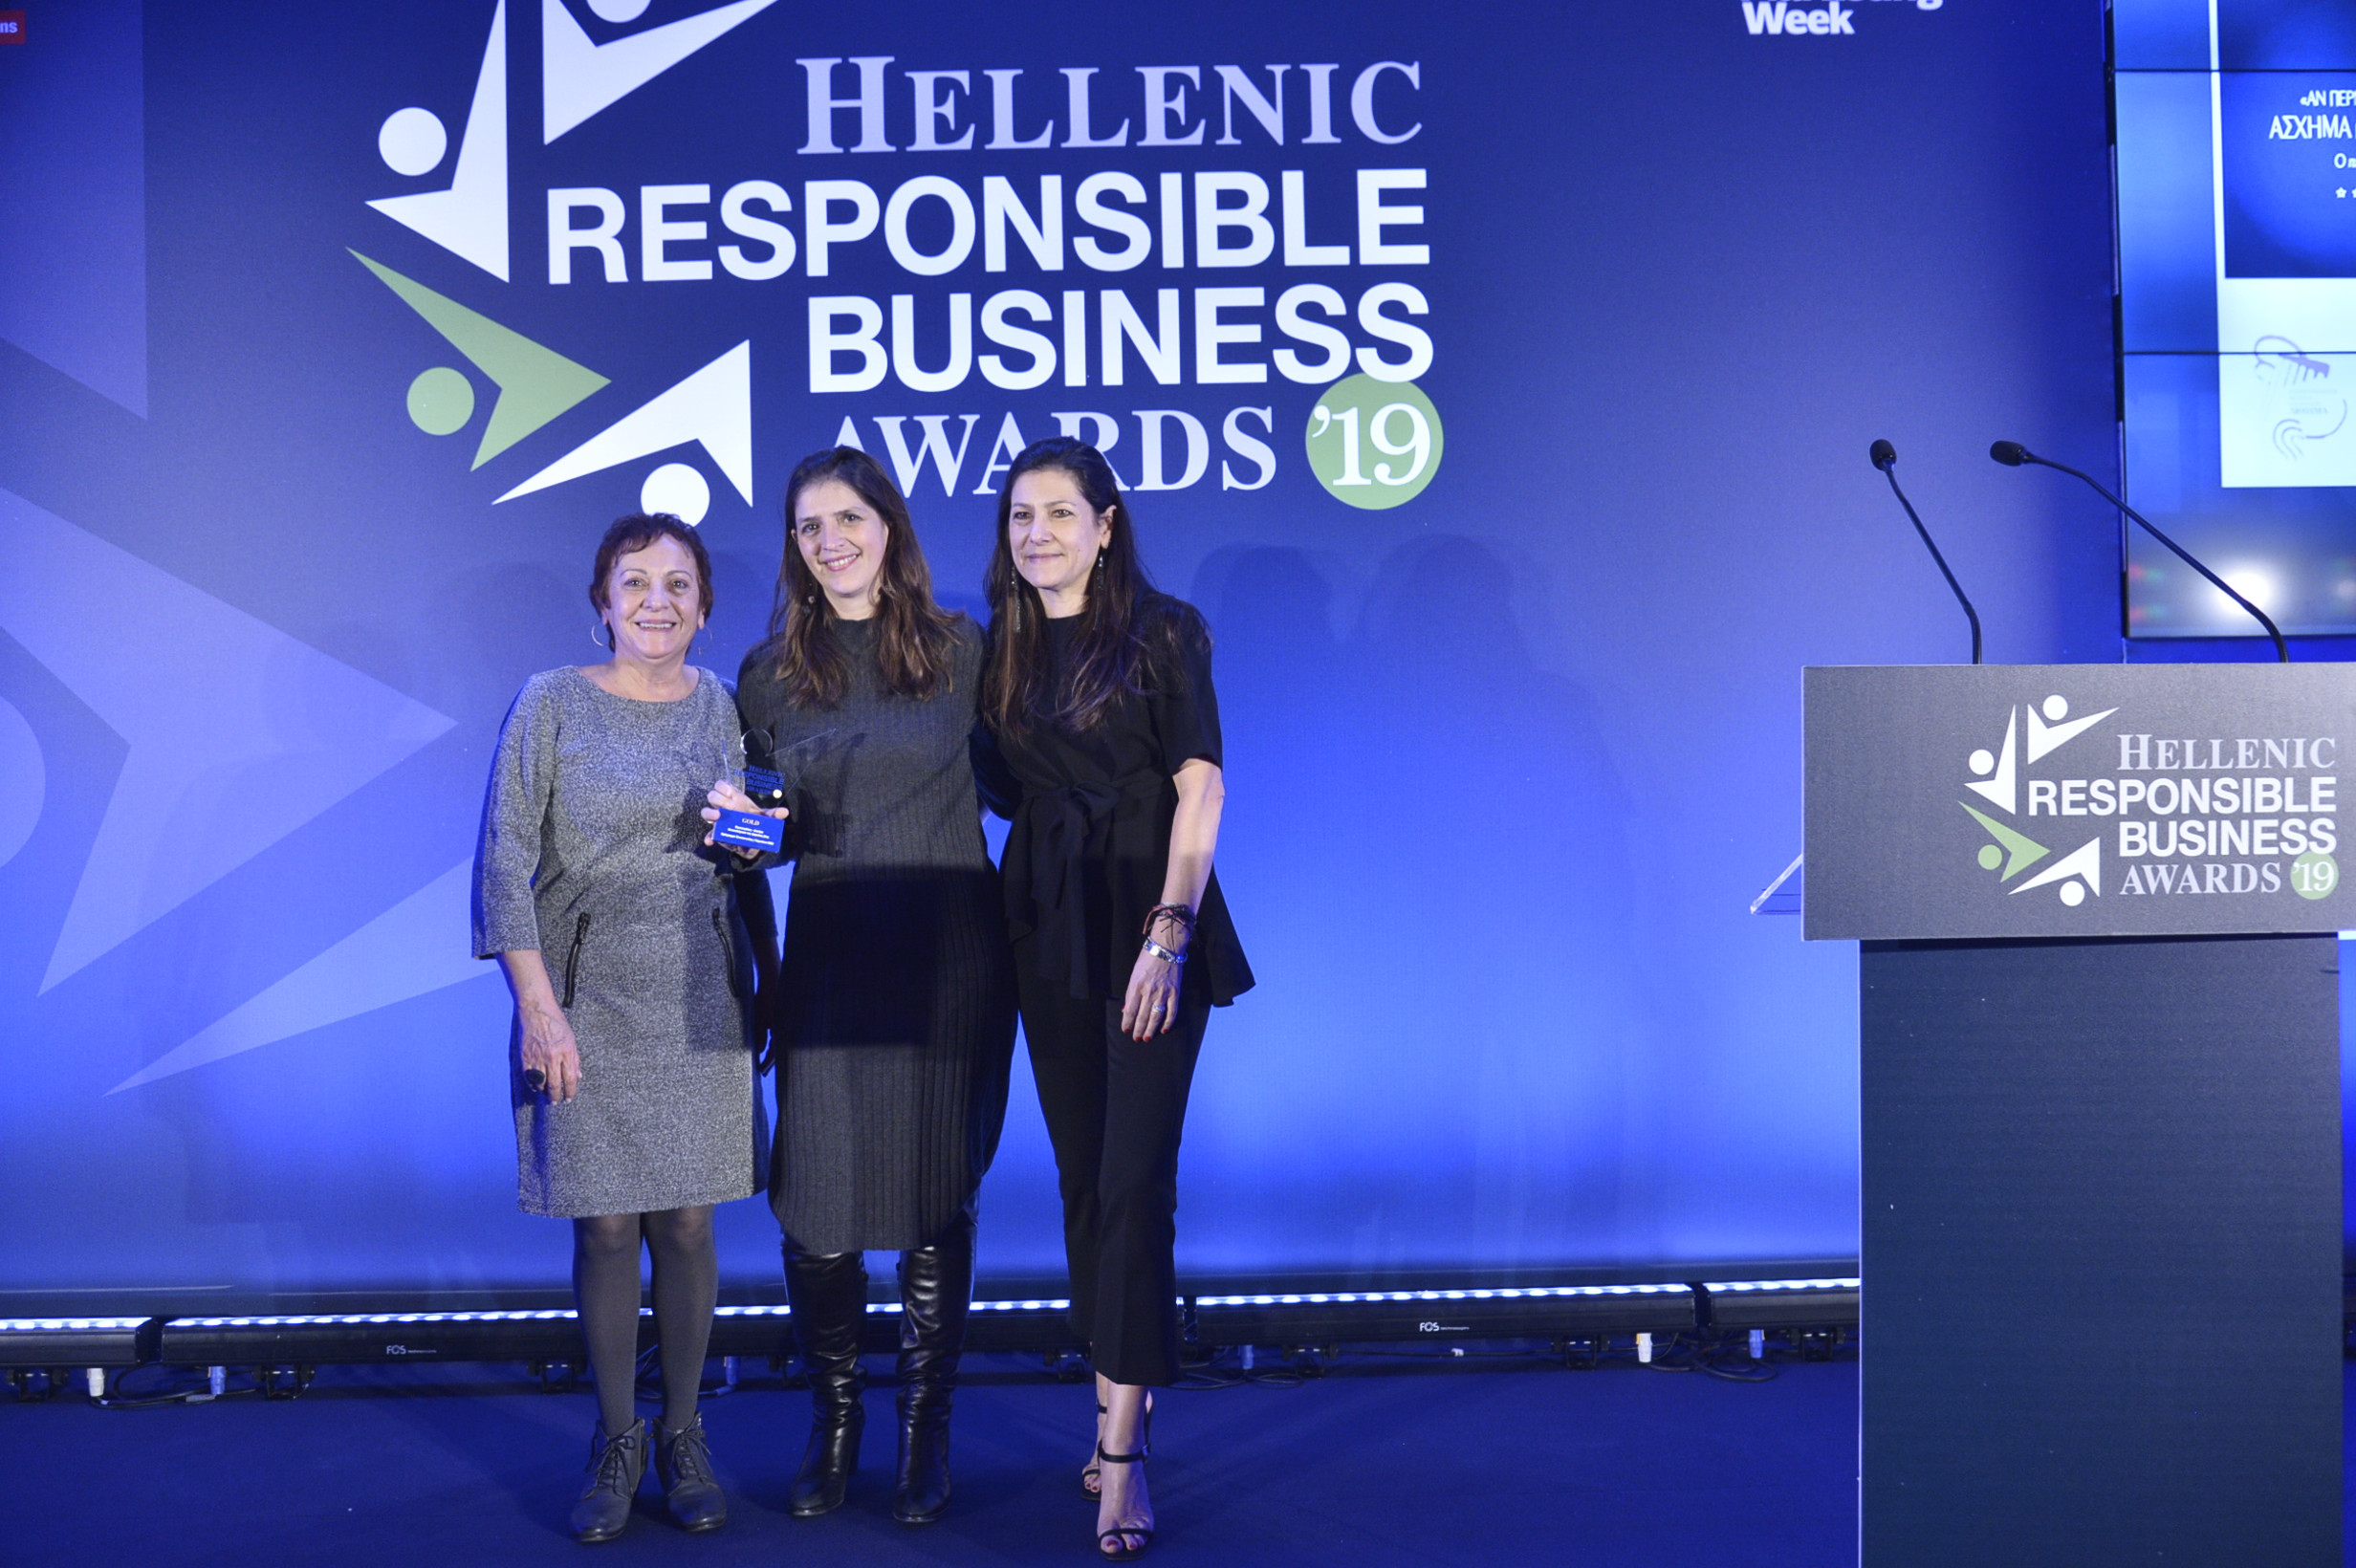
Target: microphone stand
1886, 457
2013, 454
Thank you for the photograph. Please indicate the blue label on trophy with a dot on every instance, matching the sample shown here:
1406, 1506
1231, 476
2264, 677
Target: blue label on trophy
748, 830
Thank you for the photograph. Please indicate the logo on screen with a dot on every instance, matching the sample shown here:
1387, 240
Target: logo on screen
1373, 441
2193, 816
711, 407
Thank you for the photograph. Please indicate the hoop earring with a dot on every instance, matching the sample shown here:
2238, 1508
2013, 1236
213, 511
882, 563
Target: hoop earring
595, 638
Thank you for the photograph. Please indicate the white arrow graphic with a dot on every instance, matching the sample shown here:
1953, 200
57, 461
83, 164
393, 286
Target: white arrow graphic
2046, 738
2086, 860
469, 219
713, 407
578, 78
2000, 787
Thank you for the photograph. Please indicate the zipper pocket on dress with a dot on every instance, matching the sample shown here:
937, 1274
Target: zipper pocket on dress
572, 959
728, 949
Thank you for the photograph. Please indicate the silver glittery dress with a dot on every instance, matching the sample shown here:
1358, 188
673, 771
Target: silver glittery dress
592, 854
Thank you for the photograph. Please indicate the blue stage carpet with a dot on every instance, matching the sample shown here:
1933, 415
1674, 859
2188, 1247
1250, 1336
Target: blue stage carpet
1381, 1462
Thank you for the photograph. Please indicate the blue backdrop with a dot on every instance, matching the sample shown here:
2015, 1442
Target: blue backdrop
1507, 761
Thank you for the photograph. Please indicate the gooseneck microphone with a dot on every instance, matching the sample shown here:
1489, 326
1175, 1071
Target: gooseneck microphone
1886, 457
2013, 454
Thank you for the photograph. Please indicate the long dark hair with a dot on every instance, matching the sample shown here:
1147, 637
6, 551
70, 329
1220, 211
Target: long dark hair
1115, 646
915, 637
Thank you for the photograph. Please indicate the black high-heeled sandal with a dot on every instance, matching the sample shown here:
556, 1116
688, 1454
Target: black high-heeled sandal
1112, 1544
1091, 1472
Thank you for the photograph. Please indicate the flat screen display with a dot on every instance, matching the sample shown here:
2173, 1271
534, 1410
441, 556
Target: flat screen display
2236, 124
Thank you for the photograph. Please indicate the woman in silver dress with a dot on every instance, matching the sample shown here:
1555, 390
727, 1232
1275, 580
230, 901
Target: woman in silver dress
633, 1051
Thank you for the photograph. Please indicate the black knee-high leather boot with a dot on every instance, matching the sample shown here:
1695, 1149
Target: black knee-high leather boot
936, 1294
829, 1296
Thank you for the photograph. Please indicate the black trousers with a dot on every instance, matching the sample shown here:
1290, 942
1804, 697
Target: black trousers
1115, 1107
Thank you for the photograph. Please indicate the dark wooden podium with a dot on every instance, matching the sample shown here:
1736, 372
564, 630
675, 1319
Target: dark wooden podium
2100, 1118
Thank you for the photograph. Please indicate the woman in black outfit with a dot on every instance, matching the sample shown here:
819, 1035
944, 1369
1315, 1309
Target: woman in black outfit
1098, 692
897, 1024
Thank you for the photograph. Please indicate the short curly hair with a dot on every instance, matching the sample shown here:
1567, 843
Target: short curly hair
636, 532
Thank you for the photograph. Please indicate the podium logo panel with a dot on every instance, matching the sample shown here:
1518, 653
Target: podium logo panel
2075, 800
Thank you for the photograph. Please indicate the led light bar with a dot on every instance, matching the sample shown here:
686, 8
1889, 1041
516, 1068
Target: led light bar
77, 1341
1524, 1312
60, 1325
1781, 1303
1013, 1306
1036, 1324
331, 1320
311, 1339
1519, 1293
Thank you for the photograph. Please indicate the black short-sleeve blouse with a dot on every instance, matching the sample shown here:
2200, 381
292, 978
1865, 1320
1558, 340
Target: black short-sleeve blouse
1090, 843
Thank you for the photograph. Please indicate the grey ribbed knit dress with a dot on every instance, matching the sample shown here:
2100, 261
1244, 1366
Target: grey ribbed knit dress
591, 855
896, 1026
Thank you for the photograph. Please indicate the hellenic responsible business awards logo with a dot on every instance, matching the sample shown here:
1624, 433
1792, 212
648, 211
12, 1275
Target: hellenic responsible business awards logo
1269, 266
2239, 817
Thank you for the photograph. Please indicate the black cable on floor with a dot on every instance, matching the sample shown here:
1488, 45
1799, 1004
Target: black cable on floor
1223, 1368
198, 1392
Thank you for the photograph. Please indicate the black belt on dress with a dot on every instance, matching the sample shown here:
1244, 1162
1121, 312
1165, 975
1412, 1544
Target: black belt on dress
1072, 813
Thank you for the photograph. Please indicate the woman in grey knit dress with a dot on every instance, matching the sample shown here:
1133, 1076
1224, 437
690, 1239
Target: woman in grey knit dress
632, 1058
897, 1024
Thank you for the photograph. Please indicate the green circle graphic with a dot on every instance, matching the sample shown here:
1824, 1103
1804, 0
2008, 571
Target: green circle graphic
1374, 444
1990, 857
441, 401
2314, 874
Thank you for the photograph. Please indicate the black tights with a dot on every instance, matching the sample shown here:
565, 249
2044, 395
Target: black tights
686, 1286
